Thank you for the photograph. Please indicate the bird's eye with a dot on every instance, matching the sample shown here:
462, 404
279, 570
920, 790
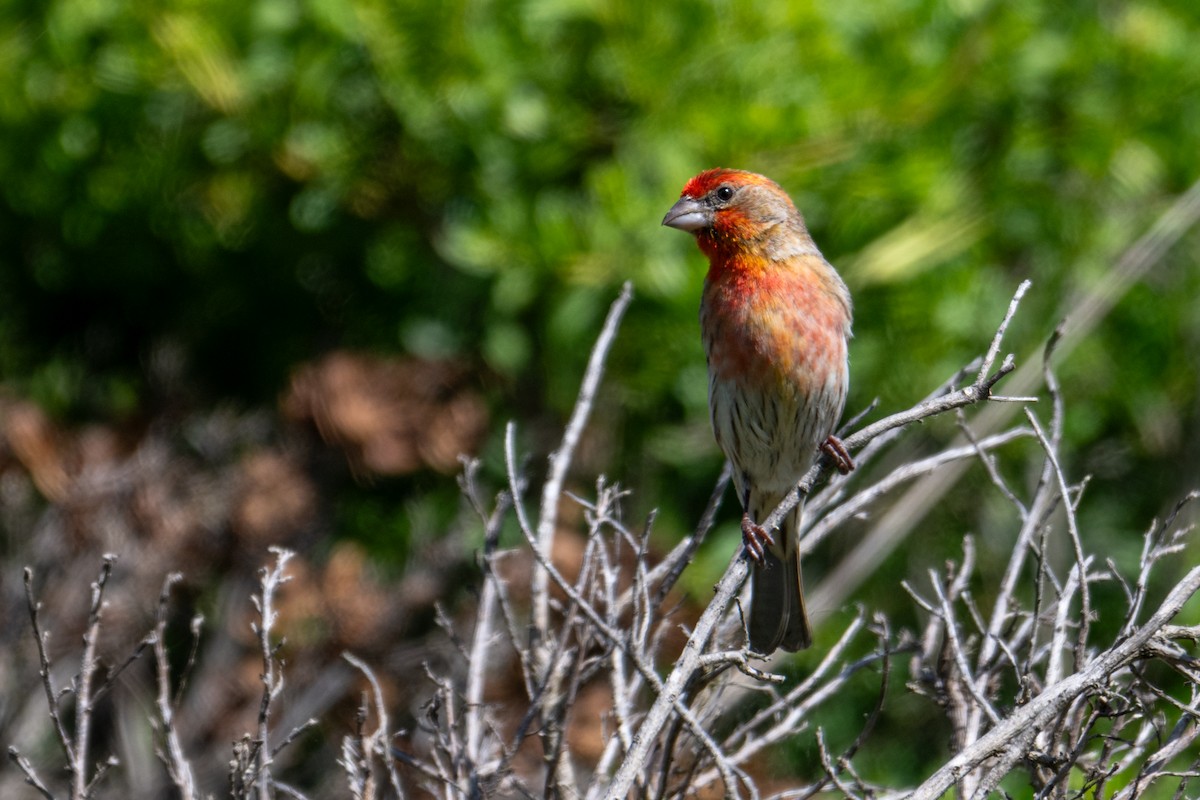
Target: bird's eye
724, 194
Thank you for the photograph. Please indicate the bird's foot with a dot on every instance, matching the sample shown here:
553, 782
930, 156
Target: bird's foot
838, 453
756, 538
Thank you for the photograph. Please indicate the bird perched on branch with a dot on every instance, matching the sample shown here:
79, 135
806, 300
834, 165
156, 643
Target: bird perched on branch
775, 318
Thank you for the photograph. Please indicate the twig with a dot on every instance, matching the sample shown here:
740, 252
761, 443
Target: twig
1085, 614
178, 766
483, 636
950, 625
31, 776
52, 700
681, 555
377, 742
994, 348
272, 579
560, 459
83, 691
292, 735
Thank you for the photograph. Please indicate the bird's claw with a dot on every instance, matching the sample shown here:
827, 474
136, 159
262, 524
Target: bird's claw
837, 452
756, 538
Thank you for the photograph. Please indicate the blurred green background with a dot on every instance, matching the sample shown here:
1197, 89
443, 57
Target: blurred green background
248, 185
251, 184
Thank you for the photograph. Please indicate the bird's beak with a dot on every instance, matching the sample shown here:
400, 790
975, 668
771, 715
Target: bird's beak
688, 215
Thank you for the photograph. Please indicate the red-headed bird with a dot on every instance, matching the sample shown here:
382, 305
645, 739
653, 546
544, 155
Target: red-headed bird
775, 317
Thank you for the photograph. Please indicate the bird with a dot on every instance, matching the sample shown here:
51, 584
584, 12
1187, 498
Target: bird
775, 319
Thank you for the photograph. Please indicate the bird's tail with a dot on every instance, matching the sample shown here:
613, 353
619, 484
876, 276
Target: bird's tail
778, 617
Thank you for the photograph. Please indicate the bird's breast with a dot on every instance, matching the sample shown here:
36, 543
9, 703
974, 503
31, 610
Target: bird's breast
773, 331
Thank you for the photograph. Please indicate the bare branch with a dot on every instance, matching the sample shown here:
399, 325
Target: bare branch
31, 776
377, 744
994, 347
560, 459
52, 698
81, 786
178, 766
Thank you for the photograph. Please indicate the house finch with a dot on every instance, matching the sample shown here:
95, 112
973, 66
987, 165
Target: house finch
775, 319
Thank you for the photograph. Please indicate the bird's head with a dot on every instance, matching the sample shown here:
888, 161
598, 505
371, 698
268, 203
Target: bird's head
730, 207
